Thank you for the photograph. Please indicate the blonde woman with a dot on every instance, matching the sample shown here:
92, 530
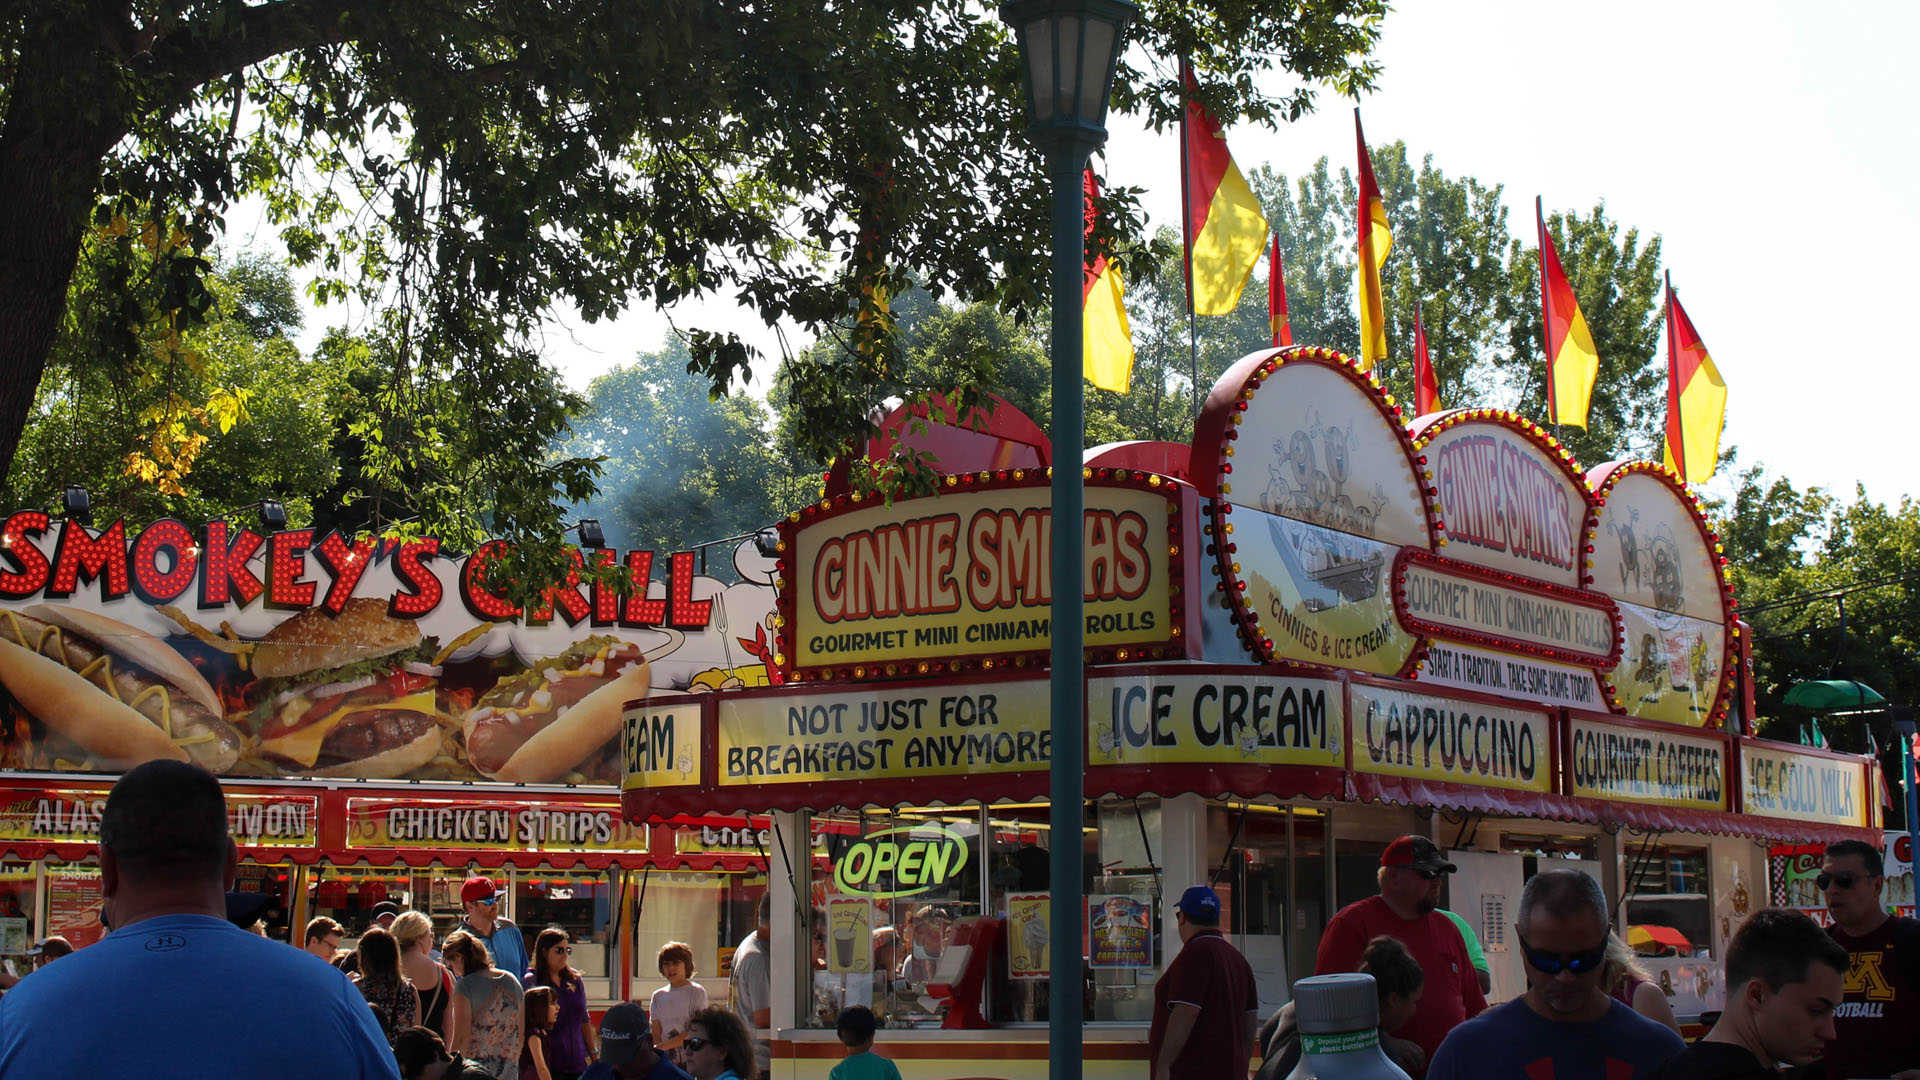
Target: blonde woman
1630, 985
413, 932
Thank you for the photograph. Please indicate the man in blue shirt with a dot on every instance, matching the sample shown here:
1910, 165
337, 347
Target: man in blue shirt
159, 983
480, 897
1565, 1026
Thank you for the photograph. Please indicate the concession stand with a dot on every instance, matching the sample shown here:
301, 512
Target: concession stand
1314, 629
162, 626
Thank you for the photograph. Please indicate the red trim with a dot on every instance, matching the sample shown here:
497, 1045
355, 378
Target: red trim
925, 1046
1454, 567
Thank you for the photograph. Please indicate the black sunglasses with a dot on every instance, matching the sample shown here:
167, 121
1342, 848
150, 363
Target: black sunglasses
1554, 963
1425, 874
695, 1044
1844, 879
568, 949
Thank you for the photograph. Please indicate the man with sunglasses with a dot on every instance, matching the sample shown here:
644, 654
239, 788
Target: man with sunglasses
1411, 872
480, 897
1565, 1027
1877, 1027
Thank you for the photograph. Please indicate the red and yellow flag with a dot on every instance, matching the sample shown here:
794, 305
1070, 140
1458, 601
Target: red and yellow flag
1426, 388
1696, 398
1277, 297
1108, 339
1376, 240
1572, 361
1225, 229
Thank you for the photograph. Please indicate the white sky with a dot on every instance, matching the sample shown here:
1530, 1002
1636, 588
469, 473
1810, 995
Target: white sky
1767, 143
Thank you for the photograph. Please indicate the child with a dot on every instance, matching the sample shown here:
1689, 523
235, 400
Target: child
674, 1004
543, 1011
856, 1026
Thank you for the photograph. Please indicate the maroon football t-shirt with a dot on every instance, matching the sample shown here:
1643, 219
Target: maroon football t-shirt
1877, 1026
1211, 975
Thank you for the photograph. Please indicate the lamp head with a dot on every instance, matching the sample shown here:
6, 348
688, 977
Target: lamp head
1068, 52
273, 515
591, 535
76, 504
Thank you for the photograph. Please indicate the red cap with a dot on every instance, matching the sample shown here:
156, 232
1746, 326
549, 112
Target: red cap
478, 888
1417, 852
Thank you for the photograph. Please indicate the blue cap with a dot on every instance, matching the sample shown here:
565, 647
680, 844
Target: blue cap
1200, 902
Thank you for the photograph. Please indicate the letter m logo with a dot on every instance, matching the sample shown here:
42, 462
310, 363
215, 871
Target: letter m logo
1867, 975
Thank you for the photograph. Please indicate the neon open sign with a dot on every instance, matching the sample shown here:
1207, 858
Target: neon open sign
917, 857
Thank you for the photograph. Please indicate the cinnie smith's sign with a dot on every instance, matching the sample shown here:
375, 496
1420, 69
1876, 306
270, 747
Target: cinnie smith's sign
875, 590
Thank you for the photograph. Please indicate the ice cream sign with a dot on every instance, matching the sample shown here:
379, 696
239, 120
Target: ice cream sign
902, 861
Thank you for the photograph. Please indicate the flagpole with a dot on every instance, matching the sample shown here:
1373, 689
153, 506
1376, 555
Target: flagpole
1546, 320
1676, 449
1186, 239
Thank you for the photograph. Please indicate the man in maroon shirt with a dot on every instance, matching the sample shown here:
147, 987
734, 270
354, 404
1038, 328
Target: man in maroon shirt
1877, 1027
1410, 873
1205, 1007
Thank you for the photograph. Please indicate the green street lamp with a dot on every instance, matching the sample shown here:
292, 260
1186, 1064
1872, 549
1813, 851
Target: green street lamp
1068, 51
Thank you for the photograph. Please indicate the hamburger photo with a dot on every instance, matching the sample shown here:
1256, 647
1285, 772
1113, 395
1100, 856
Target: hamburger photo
347, 695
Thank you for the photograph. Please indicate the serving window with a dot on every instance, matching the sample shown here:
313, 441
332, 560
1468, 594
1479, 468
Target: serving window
938, 916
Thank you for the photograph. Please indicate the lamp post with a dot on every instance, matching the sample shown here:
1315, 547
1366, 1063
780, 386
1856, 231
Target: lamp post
1903, 725
1068, 51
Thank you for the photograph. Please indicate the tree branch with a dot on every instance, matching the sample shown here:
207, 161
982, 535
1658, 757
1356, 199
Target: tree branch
192, 56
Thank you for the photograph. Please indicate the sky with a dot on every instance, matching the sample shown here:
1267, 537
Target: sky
1767, 146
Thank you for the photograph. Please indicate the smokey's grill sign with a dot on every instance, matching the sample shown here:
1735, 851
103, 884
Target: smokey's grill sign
337, 656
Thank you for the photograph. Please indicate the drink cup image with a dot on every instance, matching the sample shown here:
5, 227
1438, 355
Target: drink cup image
843, 946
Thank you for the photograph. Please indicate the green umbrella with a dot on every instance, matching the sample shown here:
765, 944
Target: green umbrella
1824, 694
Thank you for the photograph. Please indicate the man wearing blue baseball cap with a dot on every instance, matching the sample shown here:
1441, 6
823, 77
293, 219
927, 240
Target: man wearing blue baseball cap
1205, 1007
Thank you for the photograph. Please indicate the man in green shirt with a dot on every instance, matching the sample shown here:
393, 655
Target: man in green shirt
1474, 952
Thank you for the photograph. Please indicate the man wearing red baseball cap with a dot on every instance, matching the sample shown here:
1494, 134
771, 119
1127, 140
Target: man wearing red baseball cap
1407, 909
480, 896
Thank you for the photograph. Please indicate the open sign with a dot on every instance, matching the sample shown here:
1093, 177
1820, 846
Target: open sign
916, 858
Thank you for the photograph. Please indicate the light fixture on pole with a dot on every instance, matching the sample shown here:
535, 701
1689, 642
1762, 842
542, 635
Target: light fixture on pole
76, 504
1068, 51
592, 536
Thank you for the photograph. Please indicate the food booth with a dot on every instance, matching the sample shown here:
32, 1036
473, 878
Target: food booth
1314, 629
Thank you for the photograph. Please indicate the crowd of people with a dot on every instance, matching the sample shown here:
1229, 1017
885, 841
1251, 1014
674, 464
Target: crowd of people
1802, 1002
1836, 1004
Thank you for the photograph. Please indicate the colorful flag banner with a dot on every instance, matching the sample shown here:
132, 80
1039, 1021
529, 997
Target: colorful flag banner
1426, 388
1572, 361
1277, 297
1696, 398
1226, 231
1376, 240
1108, 338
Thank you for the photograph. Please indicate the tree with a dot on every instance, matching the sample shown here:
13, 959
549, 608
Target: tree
682, 468
199, 422
1832, 590
468, 166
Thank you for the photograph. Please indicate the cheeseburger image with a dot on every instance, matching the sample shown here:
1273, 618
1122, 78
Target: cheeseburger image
351, 695
110, 695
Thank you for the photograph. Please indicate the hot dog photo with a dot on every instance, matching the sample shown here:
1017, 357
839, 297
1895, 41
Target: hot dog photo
115, 651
